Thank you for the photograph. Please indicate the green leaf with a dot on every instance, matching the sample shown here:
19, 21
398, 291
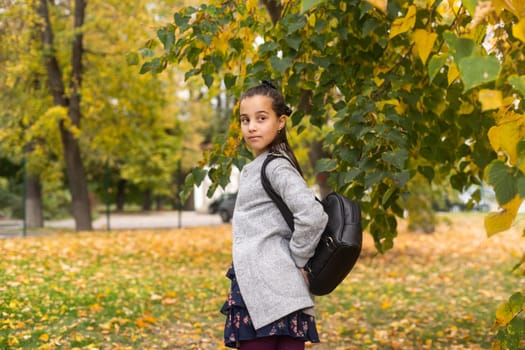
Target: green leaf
502, 178
237, 44
372, 178
294, 41
520, 183
132, 58
459, 47
151, 44
205, 38
199, 175
478, 70
181, 21
151, 66
349, 176
463, 48
208, 80
396, 158
427, 172
350, 155
193, 55
325, 164
229, 80
268, 46
435, 64
166, 37
146, 52
518, 83
507, 311
470, 5
517, 301
388, 194
191, 73
401, 178
308, 4
189, 184
281, 65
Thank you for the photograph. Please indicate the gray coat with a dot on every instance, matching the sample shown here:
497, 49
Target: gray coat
266, 256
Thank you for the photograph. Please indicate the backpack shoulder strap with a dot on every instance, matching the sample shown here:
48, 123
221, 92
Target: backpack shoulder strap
283, 208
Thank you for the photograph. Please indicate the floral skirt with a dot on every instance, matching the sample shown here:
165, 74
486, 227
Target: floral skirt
238, 326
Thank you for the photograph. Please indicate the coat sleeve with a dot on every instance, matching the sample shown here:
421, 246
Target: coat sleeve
309, 216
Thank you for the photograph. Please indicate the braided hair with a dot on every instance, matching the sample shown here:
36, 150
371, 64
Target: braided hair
280, 142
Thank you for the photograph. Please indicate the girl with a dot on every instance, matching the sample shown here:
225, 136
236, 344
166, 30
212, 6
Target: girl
269, 306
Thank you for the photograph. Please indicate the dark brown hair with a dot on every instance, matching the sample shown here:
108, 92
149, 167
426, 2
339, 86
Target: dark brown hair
280, 142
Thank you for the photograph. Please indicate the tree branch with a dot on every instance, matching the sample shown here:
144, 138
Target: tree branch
76, 62
56, 84
274, 8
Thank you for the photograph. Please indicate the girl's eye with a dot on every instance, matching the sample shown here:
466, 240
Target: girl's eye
261, 117
244, 120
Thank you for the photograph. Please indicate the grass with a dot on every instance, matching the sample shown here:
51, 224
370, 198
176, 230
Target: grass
162, 289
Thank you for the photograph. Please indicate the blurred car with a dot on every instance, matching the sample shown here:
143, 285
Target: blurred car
226, 207
214, 205
223, 206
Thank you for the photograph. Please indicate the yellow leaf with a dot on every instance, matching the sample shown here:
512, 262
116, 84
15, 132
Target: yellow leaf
220, 41
501, 221
490, 99
170, 294
378, 70
518, 30
44, 337
400, 109
424, 42
505, 136
404, 24
517, 7
252, 5
504, 314
311, 20
140, 323
95, 307
150, 319
169, 301
453, 73
496, 346
465, 108
379, 4
12, 341
105, 326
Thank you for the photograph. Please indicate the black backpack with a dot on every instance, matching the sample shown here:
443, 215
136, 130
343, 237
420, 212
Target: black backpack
340, 243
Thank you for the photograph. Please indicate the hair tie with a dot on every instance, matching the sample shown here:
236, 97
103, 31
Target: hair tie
268, 84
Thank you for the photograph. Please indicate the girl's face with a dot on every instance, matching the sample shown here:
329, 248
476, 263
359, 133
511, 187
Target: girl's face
259, 123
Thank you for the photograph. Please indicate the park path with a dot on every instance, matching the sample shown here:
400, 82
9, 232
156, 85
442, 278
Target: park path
121, 221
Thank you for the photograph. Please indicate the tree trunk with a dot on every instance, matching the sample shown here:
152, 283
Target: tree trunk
274, 9
147, 201
159, 202
121, 194
33, 202
421, 215
77, 182
81, 207
315, 153
74, 167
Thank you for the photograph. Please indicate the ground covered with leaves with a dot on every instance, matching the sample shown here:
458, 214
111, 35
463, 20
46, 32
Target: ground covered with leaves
162, 289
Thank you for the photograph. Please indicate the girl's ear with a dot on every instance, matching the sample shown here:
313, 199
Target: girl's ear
282, 121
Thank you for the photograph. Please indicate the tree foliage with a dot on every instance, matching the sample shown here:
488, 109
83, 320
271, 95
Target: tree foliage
423, 87
129, 123
409, 87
